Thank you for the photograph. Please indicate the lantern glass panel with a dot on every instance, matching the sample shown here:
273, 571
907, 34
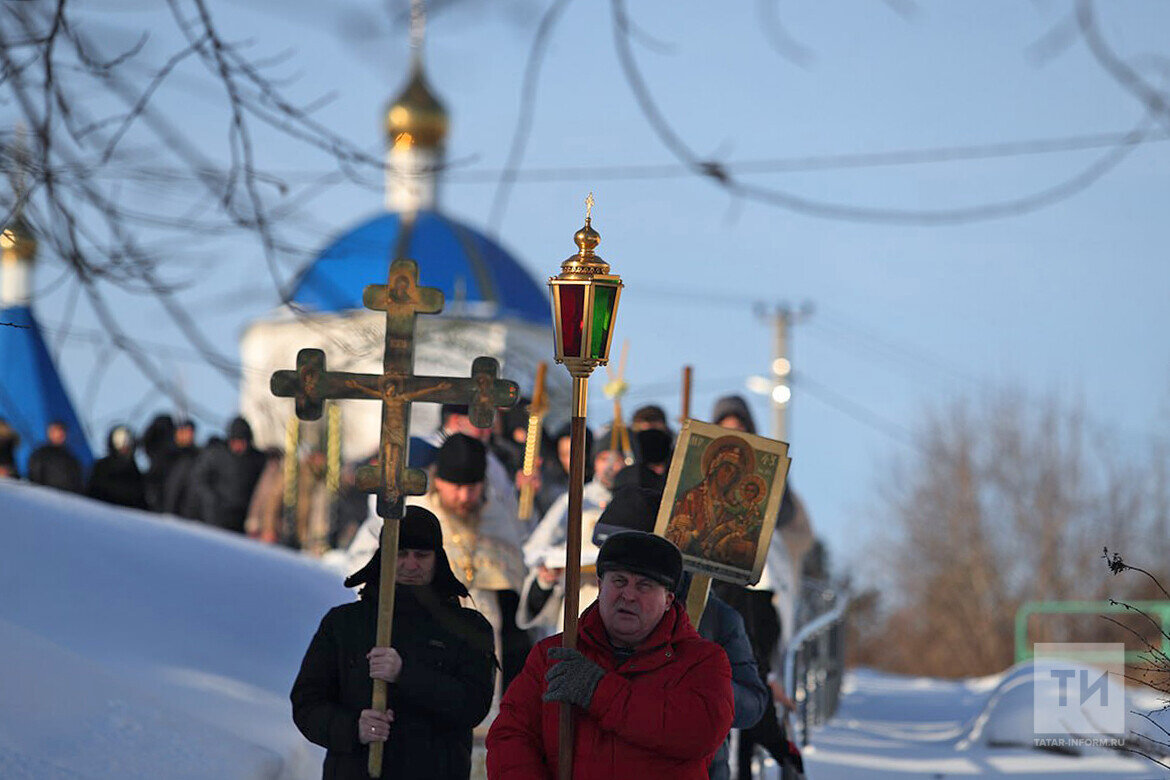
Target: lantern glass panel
603, 300
572, 297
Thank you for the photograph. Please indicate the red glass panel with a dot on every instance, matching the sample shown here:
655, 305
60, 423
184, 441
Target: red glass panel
572, 298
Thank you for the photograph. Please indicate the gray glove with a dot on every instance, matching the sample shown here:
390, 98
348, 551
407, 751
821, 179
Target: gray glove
573, 680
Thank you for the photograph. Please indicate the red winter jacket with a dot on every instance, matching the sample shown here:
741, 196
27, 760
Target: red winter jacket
661, 714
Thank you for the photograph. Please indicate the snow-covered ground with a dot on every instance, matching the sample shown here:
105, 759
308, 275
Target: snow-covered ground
134, 645
889, 726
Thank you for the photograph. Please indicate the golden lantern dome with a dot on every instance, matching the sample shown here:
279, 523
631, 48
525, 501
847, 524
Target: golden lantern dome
416, 117
17, 241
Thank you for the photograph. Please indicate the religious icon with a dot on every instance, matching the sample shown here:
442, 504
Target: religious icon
401, 289
722, 497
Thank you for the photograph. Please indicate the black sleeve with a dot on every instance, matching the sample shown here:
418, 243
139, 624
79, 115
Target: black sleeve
537, 597
36, 467
316, 695
460, 691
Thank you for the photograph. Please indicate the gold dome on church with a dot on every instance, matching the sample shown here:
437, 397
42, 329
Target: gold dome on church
17, 240
416, 117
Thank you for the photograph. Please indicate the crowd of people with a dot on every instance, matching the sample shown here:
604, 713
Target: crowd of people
652, 694
214, 483
480, 598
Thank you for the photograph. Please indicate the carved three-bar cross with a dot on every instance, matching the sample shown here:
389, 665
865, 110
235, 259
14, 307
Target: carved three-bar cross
311, 385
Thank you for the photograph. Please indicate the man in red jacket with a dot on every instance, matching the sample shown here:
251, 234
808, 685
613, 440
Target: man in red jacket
652, 698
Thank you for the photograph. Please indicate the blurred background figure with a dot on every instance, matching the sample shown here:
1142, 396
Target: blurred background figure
115, 478
224, 477
158, 442
53, 464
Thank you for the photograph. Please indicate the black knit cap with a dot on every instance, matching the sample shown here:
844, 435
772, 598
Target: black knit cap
641, 553
462, 460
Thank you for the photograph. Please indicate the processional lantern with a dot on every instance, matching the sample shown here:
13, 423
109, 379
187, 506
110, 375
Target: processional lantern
584, 304
584, 300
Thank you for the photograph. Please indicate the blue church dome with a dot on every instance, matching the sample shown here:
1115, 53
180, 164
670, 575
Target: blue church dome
466, 265
31, 392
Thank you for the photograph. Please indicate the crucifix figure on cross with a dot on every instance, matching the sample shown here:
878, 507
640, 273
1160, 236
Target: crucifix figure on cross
397, 388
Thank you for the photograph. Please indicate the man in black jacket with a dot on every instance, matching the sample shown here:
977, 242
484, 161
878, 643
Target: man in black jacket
440, 670
53, 465
224, 477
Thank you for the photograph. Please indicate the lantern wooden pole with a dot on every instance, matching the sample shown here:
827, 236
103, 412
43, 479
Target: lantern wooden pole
573, 562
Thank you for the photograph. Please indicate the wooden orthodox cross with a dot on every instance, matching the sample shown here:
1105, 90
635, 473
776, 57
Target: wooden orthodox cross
310, 384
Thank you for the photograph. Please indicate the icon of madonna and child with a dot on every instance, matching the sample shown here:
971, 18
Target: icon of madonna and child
722, 495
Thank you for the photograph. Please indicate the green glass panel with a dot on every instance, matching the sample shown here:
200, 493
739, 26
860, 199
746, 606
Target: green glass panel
602, 319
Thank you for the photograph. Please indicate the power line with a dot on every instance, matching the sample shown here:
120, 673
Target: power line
854, 410
826, 162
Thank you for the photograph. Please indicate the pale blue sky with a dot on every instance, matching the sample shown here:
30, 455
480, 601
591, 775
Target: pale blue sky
1067, 300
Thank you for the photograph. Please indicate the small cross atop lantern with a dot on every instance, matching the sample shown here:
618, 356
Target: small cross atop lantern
584, 301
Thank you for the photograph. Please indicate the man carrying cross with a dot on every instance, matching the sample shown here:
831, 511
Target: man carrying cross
396, 387
440, 669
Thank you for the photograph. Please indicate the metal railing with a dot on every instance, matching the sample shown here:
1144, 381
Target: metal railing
814, 662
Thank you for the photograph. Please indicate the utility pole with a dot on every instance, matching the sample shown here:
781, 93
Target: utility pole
783, 318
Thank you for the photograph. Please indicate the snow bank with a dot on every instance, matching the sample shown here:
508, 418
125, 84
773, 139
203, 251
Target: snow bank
135, 645
891, 727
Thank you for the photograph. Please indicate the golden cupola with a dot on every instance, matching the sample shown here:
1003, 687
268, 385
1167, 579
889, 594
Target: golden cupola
416, 118
17, 240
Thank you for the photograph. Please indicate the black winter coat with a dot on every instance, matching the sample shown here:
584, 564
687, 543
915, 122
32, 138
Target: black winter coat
116, 480
222, 484
177, 491
56, 467
444, 690
722, 625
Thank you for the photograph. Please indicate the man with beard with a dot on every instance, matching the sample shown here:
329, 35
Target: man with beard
481, 537
455, 419
439, 668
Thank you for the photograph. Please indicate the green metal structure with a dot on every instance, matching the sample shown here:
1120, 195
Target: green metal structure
1157, 610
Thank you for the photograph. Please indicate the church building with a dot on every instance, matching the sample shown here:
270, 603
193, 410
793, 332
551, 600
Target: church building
31, 392
494, 305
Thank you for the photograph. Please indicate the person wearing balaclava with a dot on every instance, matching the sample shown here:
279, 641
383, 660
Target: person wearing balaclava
440, 669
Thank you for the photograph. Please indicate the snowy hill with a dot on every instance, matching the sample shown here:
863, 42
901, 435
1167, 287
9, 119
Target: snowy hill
136, 645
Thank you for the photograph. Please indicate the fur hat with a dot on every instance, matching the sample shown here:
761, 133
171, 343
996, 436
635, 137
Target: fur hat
641, 553
462, 460
418, 529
